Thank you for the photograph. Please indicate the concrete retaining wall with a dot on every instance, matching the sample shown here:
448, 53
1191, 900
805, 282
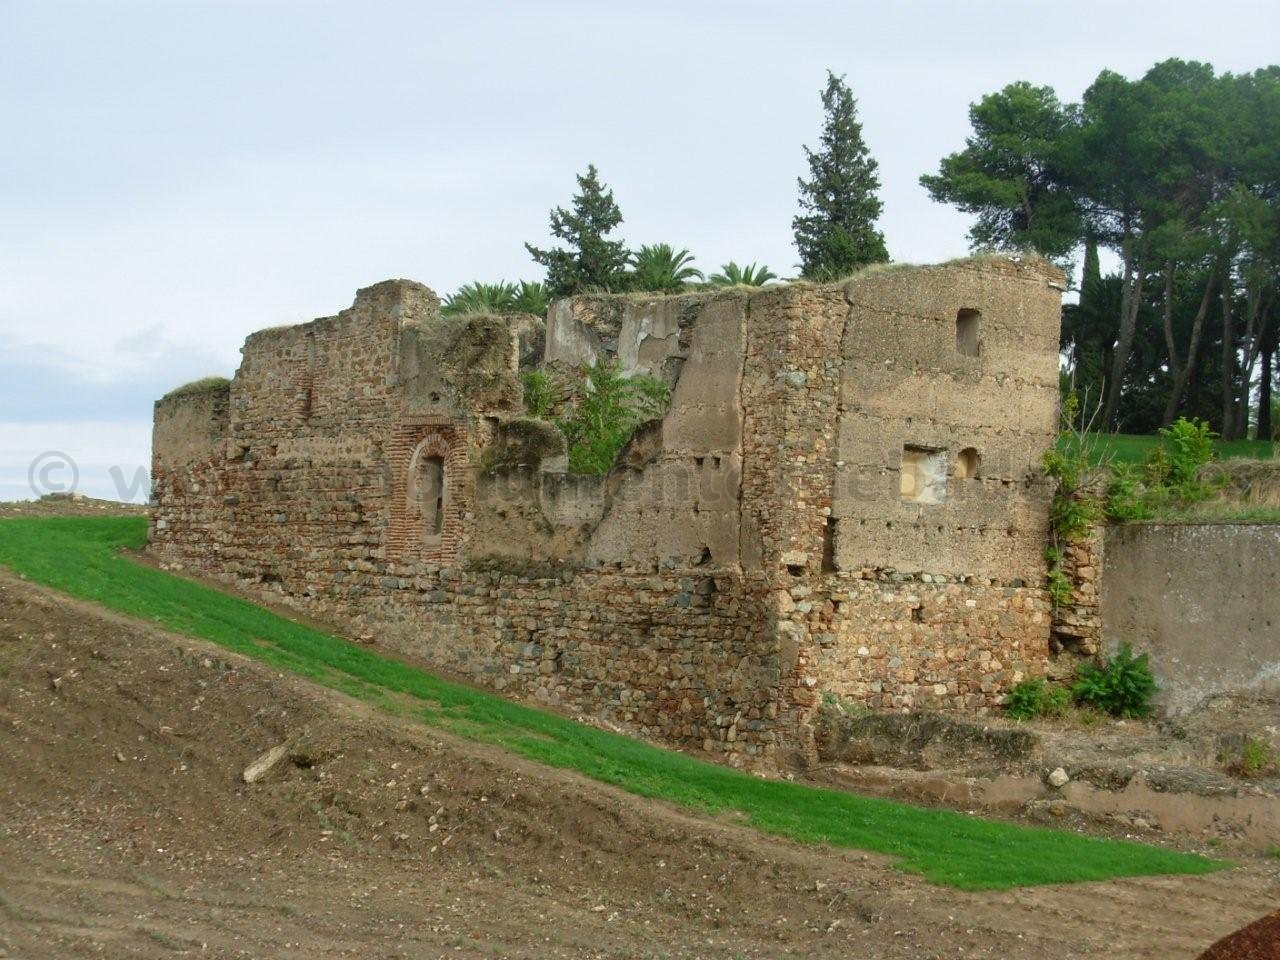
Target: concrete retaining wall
1202, 599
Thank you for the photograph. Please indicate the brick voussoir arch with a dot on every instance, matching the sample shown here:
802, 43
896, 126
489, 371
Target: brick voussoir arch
407, 536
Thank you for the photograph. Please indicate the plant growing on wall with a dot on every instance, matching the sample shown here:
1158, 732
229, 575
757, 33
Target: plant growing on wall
835, 230
589, 260
749, 276
541, 392
596, 408
603, 412
660, 268
1074, 508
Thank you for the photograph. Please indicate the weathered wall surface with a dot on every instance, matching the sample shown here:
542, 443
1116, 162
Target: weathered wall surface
888, 598
753, 549
949, 391
1201, 599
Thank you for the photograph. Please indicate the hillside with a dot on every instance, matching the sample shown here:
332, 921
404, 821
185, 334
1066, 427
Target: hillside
129, 829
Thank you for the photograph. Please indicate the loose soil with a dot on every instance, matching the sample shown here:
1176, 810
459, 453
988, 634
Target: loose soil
1180, 780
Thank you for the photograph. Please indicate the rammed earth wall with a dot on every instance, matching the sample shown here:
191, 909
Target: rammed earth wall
843, 496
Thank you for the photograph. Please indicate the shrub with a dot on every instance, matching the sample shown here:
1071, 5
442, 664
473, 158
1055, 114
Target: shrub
597, 409
540, 392
1122, 686
1074, 508
606, 412
1189, 444
1168, 480
1127, 495
1056, 583
1257, 758
1035, 698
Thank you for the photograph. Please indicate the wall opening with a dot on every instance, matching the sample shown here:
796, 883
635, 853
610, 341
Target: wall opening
968, 463
426, 490
968, 343
307, 388
829, 546
923, 474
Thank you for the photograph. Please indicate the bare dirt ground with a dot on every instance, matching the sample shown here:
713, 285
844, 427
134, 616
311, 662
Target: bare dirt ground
126, 830
60, 505
1176, 779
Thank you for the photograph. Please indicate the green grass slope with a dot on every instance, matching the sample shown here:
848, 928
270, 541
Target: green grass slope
83, 557
1135, 448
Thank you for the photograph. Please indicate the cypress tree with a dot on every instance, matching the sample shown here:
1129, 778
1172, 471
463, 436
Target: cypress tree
592, 261
835, 231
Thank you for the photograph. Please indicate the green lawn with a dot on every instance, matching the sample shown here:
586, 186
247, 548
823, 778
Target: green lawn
83, 557
1135, 448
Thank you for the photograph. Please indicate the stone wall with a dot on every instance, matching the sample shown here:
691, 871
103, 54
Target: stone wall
1077, 626
756, 547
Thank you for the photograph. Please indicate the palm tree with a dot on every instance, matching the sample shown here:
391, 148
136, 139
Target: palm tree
750, 276
500, 297
659, 268
531, 298
480, 298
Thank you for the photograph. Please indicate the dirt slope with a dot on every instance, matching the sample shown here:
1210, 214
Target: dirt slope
126, 831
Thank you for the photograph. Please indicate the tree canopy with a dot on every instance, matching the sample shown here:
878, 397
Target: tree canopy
835, 230
591, 260
1178, 174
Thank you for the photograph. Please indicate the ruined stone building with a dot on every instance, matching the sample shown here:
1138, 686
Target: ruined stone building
843, 496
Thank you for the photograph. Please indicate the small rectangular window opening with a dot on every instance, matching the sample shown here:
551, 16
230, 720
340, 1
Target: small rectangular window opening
968, 343
923, 474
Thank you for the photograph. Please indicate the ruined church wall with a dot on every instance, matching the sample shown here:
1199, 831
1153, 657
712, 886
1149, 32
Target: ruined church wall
729, 571
305, 499
303, 484
675, 501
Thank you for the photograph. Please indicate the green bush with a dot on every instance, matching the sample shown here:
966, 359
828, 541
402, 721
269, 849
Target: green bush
1035, 698
1122, 686
604, 410
1168, 480
1128, 494
1189, 444
1074, 508
596, 408
540, 392
1257, 758
1056, 583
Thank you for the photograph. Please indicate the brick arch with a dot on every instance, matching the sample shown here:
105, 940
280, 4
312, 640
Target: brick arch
410, 446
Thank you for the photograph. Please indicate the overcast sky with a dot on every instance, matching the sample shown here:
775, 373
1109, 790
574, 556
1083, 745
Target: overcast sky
176, 174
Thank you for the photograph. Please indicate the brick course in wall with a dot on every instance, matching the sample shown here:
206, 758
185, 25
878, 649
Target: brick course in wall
711, 619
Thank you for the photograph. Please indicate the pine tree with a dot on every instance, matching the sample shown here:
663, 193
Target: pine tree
836, 229
591, 262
